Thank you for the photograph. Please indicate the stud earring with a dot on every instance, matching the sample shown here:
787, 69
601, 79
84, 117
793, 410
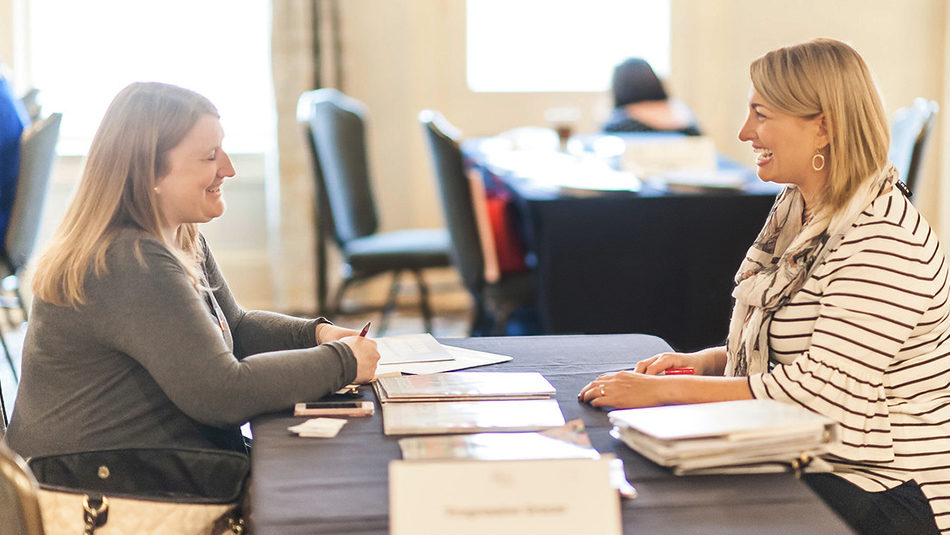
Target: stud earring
818, 160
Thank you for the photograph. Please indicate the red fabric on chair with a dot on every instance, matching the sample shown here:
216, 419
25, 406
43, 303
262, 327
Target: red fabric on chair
508, 244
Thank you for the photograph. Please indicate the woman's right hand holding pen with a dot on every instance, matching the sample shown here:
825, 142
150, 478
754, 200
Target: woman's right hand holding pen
367, 356
366, 353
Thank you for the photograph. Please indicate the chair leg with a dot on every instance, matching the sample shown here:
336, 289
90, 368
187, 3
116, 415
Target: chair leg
477, 326
501, 316
424, 301
390, 303
3, 409
338, 298
6, 351
321, 246
7, 310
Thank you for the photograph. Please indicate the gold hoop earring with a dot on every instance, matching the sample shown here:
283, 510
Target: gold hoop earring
818, 160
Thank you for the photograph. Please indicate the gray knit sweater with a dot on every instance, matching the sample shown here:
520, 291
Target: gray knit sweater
148, 361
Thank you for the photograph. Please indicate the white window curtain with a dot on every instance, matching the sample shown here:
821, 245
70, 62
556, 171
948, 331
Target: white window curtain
303, 49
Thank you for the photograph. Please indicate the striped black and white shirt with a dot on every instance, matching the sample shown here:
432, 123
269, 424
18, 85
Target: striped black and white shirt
866, 341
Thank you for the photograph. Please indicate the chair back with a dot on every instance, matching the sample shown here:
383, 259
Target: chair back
341, 169
37, 156
19, 504
910, 131
456, 193
31, 102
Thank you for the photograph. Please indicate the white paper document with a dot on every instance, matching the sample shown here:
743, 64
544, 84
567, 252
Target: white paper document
461, 359
410, 348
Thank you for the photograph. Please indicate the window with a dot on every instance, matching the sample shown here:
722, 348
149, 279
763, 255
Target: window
562, 45
83, 53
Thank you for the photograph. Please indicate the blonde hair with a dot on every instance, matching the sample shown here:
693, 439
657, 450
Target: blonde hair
824, 76
127, 158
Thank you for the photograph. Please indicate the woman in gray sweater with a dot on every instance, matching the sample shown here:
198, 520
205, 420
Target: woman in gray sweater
135, 338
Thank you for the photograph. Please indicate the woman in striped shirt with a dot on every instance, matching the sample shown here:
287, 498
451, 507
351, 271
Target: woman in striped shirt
841, 302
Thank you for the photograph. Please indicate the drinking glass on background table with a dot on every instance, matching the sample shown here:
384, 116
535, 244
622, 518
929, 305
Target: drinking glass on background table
563, 120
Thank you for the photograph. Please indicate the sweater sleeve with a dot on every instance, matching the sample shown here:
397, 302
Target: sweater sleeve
257, 331
149, 311
870, 298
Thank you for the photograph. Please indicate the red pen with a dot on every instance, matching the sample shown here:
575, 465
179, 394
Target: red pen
365, 329
679, 371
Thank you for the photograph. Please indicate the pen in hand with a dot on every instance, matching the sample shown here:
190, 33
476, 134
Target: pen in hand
365, 329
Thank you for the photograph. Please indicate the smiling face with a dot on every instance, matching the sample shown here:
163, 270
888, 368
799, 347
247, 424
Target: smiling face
785, 145
191, 191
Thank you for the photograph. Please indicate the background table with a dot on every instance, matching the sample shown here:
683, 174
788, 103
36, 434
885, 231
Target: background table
655, 261
340, 485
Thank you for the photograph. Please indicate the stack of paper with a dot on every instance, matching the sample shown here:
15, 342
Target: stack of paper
730, 436
467, 402
422, 354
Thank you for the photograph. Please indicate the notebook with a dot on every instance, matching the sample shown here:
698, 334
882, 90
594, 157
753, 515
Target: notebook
463, 386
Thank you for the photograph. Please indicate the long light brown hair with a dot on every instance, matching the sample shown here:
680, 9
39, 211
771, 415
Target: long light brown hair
127, 158
824, 76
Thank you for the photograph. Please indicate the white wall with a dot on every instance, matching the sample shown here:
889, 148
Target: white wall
714, 43
401, 56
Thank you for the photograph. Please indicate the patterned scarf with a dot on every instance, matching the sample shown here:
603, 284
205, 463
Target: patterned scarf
780, 261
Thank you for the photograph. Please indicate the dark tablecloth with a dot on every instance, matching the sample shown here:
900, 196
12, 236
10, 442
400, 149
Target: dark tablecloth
340, 485
662, 265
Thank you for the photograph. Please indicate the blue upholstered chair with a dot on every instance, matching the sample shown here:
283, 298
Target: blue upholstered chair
910, 131
346, 207
37, 156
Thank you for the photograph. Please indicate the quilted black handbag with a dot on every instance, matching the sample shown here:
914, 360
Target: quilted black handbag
161, 490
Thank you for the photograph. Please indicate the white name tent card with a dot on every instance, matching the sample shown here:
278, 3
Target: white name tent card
650, 155
564, 496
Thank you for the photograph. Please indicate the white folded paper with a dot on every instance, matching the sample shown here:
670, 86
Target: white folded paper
318, 427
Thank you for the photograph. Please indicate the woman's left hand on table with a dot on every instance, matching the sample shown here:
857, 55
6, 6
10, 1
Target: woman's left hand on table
624, 389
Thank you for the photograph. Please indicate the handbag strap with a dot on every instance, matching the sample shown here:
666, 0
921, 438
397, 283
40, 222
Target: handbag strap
95, 513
